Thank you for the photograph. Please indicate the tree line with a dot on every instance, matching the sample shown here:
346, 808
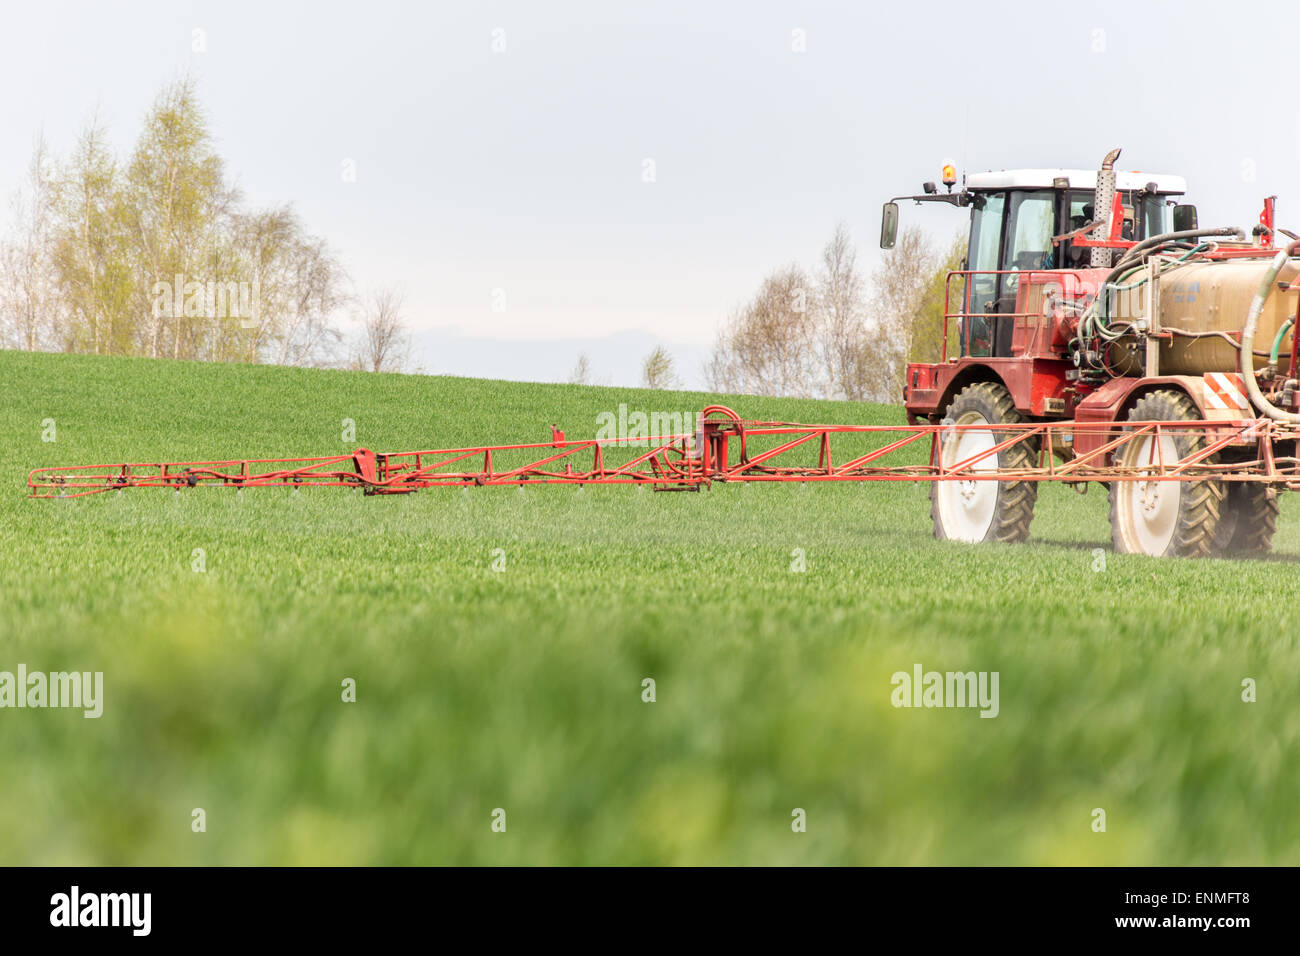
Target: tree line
835, 333
156, 254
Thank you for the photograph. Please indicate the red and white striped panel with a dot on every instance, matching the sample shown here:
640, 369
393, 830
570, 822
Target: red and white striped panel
1225, 390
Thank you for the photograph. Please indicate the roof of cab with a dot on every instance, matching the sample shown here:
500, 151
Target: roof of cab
1079, 179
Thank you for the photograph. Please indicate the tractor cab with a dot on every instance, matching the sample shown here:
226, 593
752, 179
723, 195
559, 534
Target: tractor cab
1015, 215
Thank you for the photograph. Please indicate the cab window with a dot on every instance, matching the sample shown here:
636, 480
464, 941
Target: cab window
985, 247
1154, 213
1030, 230
986, 232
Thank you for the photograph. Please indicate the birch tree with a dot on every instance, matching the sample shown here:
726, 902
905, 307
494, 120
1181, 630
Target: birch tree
28, 291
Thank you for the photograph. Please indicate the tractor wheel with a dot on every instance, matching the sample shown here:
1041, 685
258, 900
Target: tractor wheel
1164, 518
1247, 519
984, 510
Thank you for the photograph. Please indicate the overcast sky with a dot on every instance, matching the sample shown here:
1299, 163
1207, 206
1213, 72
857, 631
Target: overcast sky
500, 149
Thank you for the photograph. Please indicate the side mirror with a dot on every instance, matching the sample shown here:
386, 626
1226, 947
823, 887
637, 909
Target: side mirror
889, 225
1184, 218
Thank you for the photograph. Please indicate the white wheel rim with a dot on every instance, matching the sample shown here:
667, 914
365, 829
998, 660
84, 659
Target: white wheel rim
1149, 509
966, 508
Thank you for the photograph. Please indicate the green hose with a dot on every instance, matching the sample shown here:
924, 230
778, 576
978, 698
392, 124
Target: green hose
1102, 323
1277, 342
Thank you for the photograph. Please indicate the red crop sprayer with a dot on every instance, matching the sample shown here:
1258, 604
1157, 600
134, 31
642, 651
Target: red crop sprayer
1095, 334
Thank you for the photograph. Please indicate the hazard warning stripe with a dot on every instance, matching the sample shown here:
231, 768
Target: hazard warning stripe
1225, 390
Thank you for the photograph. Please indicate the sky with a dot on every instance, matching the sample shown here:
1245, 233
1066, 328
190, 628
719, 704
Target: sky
543, 179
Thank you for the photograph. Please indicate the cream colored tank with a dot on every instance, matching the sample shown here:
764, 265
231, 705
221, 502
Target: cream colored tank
1211, 297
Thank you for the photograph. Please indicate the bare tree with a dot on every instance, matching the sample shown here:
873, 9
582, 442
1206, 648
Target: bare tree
839, 335
384, 344
27, 286
297, 288
769, 345
658, 370
581, 373
847, 351
307, 333
907, 307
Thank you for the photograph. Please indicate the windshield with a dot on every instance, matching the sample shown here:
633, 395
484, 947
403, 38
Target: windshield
1029, 230
1009, 231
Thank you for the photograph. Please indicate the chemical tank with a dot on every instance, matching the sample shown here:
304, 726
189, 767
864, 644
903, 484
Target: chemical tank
1207, 296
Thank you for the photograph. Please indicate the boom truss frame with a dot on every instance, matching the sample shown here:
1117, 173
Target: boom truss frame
721, 451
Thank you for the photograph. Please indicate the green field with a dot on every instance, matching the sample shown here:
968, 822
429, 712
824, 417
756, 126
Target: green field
521, 689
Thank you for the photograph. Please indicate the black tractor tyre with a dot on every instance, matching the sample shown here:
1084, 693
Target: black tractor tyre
1247, 520
1187, 511
1008, 506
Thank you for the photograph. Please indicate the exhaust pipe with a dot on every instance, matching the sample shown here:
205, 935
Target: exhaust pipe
1103, 204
